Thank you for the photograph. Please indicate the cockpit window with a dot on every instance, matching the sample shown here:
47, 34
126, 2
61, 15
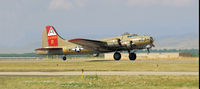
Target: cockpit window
129, 36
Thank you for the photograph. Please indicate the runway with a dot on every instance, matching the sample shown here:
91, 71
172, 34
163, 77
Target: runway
67, 73
31, 60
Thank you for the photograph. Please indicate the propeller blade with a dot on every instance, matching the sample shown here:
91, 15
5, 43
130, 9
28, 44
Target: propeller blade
148, 50
153, 45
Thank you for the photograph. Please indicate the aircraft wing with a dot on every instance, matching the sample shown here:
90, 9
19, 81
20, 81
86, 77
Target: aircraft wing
90, 44
53, 51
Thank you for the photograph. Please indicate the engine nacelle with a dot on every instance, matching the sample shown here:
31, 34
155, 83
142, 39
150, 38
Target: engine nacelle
148, 46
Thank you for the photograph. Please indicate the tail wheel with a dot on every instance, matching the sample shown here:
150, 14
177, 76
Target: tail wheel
117, 56
64, 58
132, 56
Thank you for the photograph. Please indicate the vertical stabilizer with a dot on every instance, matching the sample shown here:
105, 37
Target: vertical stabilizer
50, 38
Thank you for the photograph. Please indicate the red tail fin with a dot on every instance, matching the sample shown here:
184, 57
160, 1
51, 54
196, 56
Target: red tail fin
52, 36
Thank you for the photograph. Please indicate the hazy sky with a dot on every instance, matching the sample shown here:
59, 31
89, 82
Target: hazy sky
22, 21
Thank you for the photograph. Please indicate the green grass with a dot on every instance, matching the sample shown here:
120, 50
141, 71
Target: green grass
100, 66
100, 82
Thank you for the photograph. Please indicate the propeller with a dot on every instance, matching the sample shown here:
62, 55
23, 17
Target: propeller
148, 50
119, 42
152, 40
153, 45
131, 44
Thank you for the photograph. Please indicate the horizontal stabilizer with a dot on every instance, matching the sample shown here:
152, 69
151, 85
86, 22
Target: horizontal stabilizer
48, 49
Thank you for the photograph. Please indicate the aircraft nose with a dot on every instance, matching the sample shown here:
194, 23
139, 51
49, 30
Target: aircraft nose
151, 40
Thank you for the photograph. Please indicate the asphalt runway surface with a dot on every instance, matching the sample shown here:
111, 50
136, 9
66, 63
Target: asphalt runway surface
67, 73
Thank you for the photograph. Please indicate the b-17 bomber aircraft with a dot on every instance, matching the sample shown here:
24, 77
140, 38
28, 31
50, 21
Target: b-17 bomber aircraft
54, 44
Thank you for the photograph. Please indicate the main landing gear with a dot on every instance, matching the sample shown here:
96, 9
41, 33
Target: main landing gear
117, 56
132, 56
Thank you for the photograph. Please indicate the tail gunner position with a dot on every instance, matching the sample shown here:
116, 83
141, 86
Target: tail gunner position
53, 44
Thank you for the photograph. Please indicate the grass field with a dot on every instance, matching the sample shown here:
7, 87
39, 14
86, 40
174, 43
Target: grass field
100, 66
100, 82
97, 81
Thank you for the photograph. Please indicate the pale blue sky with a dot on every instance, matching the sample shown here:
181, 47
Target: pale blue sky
22, 21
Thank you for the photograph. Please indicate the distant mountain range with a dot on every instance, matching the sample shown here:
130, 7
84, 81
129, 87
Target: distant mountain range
26, 48
186, 41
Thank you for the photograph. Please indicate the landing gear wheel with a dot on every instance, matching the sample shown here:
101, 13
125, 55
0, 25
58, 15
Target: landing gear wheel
64, 58
132, 56
117, 56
